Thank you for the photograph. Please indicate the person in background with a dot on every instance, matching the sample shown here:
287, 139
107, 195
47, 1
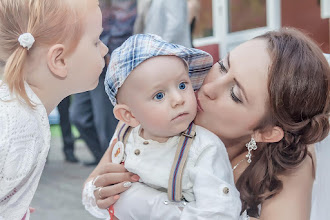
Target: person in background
194, 7
165, 18
65, 125
92, 111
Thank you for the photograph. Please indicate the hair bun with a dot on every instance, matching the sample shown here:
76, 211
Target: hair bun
317, 129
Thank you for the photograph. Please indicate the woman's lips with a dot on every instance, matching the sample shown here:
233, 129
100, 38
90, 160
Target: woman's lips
199, 107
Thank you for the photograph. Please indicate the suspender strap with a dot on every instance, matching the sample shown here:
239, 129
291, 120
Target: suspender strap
118, 151
174, 191
123, 131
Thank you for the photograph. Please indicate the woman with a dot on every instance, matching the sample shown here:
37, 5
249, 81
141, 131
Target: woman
274, 89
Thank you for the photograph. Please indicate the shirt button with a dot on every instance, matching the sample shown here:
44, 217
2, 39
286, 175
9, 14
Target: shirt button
145, 142
137, 152
225, 190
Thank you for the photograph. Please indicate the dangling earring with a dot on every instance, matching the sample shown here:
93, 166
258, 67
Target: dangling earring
252, 145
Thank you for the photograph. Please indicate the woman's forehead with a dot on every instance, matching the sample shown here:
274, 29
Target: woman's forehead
252, 49
251, 57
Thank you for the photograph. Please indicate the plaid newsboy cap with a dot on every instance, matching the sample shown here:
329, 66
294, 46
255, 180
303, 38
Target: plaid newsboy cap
141, 47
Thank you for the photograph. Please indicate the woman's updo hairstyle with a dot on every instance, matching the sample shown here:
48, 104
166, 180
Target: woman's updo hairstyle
298, 87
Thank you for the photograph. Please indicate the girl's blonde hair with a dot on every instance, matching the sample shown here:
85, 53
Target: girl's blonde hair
49, 21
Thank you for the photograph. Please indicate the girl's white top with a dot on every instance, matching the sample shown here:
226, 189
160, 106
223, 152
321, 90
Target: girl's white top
24, 145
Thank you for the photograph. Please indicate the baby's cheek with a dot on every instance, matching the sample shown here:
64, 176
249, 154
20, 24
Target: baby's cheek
193, 105
157, 120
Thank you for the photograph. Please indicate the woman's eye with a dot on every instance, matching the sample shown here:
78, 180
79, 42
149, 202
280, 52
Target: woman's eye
233, 96
159, 96
222, 66
182, 86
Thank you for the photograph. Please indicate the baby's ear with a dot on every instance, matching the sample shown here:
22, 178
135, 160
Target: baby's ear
124, 114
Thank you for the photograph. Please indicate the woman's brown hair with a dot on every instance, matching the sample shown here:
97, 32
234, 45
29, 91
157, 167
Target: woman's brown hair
298, 87
49, 21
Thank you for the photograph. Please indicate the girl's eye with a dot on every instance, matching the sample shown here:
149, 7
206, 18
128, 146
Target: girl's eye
233, 96
159, 96
222, 66
182, 86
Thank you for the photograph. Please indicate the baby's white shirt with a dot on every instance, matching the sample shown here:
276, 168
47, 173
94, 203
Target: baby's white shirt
24, 145
207, 177
154, 160
207, 181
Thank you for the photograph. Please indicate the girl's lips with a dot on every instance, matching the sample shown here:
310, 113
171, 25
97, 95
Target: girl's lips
199, 107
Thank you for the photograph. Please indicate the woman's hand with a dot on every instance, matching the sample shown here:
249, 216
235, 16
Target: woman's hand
110, 180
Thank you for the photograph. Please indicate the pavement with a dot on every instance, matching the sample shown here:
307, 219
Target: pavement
58, 196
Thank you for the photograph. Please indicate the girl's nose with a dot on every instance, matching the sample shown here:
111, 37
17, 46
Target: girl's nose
104, 49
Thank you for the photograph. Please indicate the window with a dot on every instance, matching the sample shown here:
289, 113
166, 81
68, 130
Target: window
246, 14
204, 22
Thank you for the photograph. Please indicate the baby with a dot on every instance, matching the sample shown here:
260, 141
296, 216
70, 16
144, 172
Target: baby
151, 84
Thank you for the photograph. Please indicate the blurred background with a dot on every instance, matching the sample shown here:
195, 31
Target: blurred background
216, 26
223, 24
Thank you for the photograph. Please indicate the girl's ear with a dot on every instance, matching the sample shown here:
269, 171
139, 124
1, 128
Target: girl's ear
56, 62
269, 135
124, 114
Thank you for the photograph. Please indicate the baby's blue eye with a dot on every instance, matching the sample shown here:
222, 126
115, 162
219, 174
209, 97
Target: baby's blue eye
159, 96
182, 86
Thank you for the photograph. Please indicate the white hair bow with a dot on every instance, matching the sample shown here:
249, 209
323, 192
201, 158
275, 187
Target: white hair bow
26, 40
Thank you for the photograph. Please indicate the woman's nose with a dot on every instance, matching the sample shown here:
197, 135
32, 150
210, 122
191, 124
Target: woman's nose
211, 90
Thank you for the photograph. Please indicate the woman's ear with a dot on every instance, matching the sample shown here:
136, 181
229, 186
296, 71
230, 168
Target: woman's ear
269, 135
56, 62
124, 114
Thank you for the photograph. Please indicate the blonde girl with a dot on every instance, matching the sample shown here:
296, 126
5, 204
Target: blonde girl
48, 50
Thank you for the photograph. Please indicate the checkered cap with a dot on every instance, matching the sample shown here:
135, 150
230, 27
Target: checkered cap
141, 47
